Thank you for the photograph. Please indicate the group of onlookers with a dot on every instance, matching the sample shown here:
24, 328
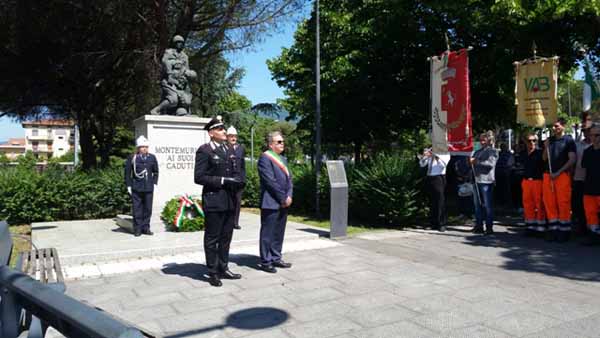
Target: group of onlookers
560, 183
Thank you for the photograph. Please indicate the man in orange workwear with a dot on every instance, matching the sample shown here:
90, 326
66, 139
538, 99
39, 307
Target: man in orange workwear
591, 193
535, 218
559, 155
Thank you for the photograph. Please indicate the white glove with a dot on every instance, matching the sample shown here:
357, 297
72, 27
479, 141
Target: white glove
129, 190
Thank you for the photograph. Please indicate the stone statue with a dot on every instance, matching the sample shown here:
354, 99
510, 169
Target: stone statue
175, 86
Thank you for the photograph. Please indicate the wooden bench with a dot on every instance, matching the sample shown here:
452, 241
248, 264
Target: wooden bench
42, 265
32, 299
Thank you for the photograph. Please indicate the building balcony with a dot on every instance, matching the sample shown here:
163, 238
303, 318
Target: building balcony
41, 150
40, 138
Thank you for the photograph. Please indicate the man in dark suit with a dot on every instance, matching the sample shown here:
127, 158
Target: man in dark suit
239, 153
275, 199
141, 175
214, 170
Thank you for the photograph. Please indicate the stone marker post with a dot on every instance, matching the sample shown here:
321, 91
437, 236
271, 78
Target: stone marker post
339, 199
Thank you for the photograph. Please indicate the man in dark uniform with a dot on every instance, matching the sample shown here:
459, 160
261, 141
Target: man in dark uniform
214, 170
141, 175
239, 154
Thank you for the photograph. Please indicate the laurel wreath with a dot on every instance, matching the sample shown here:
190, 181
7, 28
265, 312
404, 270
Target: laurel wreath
195, 223
453, 125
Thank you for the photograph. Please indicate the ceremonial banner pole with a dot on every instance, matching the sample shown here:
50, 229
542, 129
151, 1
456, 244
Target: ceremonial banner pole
536, 91
450, 104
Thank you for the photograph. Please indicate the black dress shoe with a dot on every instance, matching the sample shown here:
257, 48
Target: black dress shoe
214, 280
137, 233
268, 268
477, 230
237, 227
489, 231
442, 228
147, 232
282, 264
227, 274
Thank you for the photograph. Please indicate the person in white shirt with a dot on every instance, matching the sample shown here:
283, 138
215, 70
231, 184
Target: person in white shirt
436, 183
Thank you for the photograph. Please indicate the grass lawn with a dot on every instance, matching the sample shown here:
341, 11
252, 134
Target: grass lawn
321, 223
21, 241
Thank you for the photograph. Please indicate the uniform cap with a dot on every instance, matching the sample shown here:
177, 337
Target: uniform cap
142, 141
231, 131
214, 123
178, 38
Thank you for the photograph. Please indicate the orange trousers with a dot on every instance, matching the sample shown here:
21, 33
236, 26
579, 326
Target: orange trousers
533, 204
557, 201
591, 204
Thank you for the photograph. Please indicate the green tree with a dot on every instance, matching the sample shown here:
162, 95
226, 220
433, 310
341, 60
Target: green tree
97, 62
374, 77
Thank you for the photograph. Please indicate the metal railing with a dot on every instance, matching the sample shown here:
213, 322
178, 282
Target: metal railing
67, 315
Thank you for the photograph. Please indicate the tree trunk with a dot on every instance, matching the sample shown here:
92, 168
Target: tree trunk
357, 154
88, 152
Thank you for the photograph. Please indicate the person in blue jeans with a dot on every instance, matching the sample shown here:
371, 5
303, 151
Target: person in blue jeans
483, 163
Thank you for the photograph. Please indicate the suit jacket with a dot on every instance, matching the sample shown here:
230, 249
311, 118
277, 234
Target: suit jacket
275, 185
146, 182
211, 165
239, 166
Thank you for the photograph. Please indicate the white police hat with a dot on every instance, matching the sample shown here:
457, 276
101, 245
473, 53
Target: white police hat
231, 131
142, 141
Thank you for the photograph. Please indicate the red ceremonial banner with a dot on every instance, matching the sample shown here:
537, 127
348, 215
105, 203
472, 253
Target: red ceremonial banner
456, 101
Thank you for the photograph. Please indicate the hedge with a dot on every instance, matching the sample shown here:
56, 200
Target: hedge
386, 190
383, 191
28, 196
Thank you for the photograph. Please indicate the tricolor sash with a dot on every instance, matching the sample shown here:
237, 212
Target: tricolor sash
185, 202
276, 159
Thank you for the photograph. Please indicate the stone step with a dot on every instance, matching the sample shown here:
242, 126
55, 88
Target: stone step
94, 241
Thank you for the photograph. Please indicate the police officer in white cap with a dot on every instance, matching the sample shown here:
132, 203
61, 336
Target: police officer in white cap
141, 175
237, 154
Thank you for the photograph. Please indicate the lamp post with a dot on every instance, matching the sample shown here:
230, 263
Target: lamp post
317, 112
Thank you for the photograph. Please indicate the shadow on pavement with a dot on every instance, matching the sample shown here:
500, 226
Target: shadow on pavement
189, 270
256, 318
567, 260
321, 233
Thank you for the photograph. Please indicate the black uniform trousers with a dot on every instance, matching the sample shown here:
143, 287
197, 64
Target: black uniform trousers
217, 238
142, 209
437, 190
238, 206
272, 230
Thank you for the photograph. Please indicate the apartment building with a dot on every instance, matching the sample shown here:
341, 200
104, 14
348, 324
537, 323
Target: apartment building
49, 138
13, 148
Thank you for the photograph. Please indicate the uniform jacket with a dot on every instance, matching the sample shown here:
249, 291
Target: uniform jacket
239, 166
275, 185
146, 167
211, 166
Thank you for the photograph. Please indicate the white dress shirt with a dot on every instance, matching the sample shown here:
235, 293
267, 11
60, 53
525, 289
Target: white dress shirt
436, 164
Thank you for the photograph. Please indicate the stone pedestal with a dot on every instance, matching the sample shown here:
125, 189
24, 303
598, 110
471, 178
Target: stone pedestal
174, 141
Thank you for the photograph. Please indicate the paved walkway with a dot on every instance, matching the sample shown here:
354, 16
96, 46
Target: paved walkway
386, 284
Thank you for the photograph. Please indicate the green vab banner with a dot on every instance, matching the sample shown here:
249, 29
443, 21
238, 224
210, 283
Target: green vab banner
536, 91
